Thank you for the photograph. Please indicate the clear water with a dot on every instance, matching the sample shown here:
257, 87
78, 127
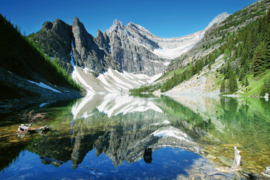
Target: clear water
106, 137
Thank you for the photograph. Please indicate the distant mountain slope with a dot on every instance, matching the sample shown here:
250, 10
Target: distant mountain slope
233, 58
219, 33
163, 47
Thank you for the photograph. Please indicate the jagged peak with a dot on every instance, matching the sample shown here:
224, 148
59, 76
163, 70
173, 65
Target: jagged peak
116, 21
130, 24
117, 25
47, 25
99, 33
75, 20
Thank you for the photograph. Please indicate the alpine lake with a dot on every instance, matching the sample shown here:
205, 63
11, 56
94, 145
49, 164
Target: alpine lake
114, 136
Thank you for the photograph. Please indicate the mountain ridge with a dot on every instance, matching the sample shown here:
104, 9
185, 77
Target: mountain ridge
167, 48
131, 48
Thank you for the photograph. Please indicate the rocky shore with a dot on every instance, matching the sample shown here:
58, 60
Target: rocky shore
17, 92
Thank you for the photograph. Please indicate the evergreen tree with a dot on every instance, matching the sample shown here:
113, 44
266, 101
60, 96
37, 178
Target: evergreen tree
222, 87
247, 83
258, 60
244, 57
262, 92
226, 54
228, 70
237, 70
242, 74
267, 85
267, 52
233, 87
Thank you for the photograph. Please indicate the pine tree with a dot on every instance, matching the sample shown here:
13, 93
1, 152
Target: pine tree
258, 60
267, 52
241, 75
233, 87
267, 85
244, 57
237, 70
222, 87
268, 17
262, 92
247, 83
226, 54
228, 70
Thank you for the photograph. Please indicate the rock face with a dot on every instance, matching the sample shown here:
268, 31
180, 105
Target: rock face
55, 39
217, 19
86, 52
47, 25
102, 40
64, 42
130, 50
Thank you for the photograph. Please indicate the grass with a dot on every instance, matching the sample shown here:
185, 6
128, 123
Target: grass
177, 71
255, 84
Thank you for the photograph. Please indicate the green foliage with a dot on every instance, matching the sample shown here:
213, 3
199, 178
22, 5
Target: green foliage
222, 87
237, 71
22, 56
250, 44
267, 52
258, 60
144, 89
265, 87
247, 83
233, 87
263, 91
226, 54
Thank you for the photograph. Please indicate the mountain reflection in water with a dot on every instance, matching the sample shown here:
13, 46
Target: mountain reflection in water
126, 136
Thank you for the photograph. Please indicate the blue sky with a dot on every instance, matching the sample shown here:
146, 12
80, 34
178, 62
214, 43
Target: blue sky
164, 18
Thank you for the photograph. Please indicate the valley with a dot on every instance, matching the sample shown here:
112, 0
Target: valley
127, 104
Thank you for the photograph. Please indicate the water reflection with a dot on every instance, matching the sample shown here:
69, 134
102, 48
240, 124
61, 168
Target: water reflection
193, 134
147, 155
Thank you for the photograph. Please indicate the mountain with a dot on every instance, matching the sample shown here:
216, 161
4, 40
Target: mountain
231, 58
129, 48
27, 74
73, 45
167, 48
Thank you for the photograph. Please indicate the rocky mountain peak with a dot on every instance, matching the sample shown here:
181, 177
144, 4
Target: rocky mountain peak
99, 33
117, 26
131, 24
47, 25
76, 21
217, 19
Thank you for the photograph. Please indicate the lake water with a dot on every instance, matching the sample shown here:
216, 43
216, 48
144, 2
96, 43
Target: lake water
130, 137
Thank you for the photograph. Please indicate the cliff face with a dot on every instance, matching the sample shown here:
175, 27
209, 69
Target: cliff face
55, 39
86, 52
125, 47
66, 42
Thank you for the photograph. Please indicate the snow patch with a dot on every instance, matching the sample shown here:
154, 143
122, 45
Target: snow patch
77, 76
171, 132
166, 122
43, 104
44, 86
